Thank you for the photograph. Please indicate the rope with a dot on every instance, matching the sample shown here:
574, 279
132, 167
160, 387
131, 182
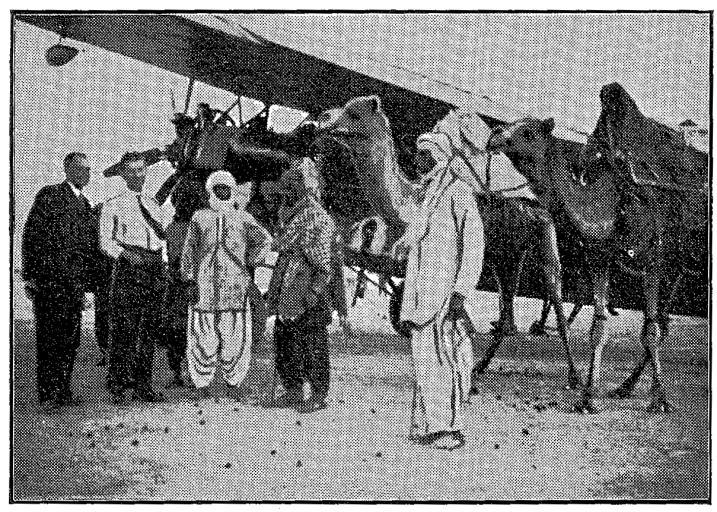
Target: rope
378, 286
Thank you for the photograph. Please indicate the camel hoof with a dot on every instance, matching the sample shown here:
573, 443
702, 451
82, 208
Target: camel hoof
584, 407
537, 329
621, 393
574, 381
502, 329
474, 380
660, 406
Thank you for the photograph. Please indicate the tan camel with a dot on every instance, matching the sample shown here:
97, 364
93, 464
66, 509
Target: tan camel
512, 226
651, 235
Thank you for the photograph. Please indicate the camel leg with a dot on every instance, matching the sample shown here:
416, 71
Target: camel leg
601, 282
653, 334
550, 257
501, 299
507, 275
538, 327
575, 312
498, 333
482, 365
626, 389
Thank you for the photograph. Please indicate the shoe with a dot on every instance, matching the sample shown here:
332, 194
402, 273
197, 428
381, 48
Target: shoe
233, 393
51, 406
448, 441
147, 395
118, 397
202, 393
287, 400
311, 405
71, 400
176, 382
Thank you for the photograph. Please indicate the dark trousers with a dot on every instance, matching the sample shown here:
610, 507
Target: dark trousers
136, 298
302, 352
175, 325
57, 328
102, 317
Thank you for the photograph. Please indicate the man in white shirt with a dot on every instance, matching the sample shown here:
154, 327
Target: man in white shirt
131, 233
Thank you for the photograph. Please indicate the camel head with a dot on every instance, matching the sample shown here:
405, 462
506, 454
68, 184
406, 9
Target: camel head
526, 142
361, 118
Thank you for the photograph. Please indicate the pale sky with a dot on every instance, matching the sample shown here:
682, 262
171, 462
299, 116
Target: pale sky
542, 65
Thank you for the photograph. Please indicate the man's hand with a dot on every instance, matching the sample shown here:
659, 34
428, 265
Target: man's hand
399, 250
458, 315
132, 257
30, 288
192, 292
456, 307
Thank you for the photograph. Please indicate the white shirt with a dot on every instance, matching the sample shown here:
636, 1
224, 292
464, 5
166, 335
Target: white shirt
122, 222
77, 191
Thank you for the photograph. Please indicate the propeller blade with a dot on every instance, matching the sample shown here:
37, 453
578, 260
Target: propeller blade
226, 112
189, 95
166, 189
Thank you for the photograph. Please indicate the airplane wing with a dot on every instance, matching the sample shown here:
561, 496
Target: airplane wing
230, 53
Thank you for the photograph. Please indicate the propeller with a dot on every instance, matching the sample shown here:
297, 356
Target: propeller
189, 95
225, 114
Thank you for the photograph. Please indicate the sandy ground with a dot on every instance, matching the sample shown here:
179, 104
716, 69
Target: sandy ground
522, 441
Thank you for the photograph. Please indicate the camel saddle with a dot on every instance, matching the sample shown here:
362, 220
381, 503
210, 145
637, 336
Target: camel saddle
647, 154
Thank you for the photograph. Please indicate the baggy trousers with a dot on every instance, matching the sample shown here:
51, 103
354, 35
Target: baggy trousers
219, 338
57, 333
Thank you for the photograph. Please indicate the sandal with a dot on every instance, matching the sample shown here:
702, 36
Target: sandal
311, 405
449, 441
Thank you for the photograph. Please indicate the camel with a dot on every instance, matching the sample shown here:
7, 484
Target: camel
643, 226
512, 226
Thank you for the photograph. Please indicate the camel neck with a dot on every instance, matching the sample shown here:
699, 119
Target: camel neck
382, 174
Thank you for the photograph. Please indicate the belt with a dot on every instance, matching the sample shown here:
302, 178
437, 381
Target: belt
141, 250
149, 257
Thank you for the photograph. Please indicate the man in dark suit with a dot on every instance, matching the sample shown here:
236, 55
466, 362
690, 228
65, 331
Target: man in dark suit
56, 247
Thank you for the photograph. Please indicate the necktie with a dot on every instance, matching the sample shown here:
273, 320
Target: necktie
85, 201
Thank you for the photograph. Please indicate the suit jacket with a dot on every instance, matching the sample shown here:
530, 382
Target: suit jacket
447, 259
58, 244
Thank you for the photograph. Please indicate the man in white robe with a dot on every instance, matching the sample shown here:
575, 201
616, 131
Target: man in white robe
223, 243
445, 247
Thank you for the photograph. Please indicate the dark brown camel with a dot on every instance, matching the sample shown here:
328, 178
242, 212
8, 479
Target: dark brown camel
623, 218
